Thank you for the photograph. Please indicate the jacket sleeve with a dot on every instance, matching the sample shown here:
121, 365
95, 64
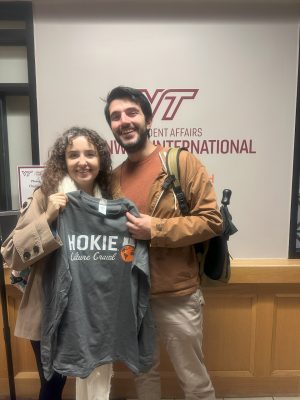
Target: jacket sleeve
204, 221
32, 238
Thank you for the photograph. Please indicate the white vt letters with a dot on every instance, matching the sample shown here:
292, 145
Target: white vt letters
93, 242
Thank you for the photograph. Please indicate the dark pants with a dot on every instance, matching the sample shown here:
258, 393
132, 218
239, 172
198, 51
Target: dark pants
50, 390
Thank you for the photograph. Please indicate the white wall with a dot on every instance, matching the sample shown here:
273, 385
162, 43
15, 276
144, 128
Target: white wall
245, 71
19, 140
13, 69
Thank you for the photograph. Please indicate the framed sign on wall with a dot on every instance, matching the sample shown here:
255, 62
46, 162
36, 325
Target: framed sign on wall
29, 178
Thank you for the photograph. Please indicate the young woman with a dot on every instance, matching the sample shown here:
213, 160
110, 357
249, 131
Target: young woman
79, 160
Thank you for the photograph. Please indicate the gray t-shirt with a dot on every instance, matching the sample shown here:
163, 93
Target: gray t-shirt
96, 290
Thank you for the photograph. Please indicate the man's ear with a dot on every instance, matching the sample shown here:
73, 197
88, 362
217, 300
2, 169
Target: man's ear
149, 123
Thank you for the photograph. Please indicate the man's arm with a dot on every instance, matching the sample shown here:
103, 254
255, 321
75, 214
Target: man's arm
204, 221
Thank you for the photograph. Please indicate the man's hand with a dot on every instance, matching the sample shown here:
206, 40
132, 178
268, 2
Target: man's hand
139, 228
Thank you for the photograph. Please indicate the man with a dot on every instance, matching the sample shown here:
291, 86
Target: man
176, 297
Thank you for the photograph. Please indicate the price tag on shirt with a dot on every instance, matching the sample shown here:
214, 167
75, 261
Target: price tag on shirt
102, 206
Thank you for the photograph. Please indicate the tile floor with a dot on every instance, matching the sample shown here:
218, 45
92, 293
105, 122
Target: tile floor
262, 398
225, 398
245, 398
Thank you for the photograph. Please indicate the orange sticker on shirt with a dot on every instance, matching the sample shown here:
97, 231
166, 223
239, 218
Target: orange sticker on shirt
127, 253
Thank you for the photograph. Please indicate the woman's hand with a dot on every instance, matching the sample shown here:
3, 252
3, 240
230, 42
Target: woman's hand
56, 202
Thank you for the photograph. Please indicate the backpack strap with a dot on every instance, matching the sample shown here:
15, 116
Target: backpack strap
172, 165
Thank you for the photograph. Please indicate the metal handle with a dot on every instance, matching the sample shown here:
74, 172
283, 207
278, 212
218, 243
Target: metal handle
226, 197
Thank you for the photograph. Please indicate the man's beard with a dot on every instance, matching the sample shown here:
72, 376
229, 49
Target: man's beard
139, 144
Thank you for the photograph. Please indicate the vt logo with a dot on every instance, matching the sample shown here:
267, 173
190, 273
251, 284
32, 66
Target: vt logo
169, 100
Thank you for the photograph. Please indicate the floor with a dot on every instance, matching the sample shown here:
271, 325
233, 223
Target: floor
225, 398
243, 398
246, 398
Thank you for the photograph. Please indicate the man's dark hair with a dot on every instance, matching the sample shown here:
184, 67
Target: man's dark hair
135, 95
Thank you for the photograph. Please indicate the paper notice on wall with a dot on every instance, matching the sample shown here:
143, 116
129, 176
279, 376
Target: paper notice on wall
29, 178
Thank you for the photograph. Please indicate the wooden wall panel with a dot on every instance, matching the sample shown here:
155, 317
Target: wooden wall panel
3, 364
286, 338
251, 338
229, 331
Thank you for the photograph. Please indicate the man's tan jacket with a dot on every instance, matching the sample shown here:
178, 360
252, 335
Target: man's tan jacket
173, 264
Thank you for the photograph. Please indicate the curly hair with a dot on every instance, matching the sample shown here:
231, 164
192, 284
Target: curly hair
56, 168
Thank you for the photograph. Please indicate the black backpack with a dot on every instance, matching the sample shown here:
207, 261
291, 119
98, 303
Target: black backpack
213, 255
